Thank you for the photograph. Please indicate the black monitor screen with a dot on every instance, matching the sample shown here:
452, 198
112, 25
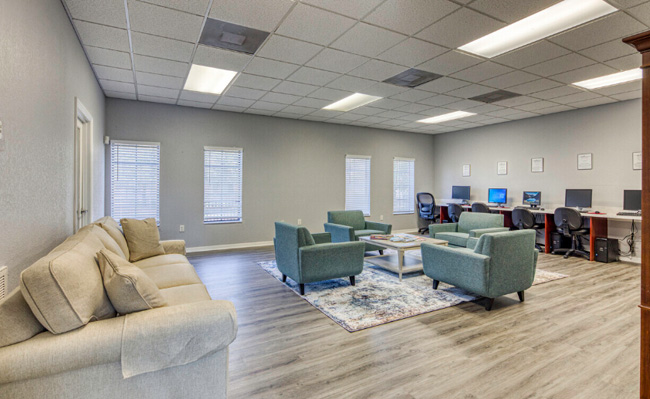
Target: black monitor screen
577, 198
497, 195
460, 192
632, 200
532, 197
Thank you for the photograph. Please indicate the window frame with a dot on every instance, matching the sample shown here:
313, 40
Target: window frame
369, 183
241, 184
411, 210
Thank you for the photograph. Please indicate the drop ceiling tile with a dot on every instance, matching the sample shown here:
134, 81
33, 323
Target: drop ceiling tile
413, 108
387, 103
463, 105
258, 14
351, 83
367, 40
607, 51
392, 114
161, 21
368, 111
161, 47
417, 117
259, 112
642, 13
552, 110
574, 98
325, 93
298, 89
268, 106
326, 113
485, 108
561, 64
242, 92
532, 54
481, 72
452, 31
439, 100
513, 78
336, 61
117, 94
593, 103
631, 61
154, 99
470, 91
516, 101
103, 36
450, 62
611, 27
228, 108
270, 68
511, 10
622, 4
412, 95
591, 71
384, 90
105, 12
256, 82
194, 104
157, 91
524, 114
377, 70
314, 118
354, 9
161, 66
288, 50
534, 86
628, 96
373, 119
151, 79
198, 7
314, 25
109, 85
313, 102
109, 73
537, 105
313, 76
280, 98
622, 88
111, 58
443, 85
235, 101
410, 16
222, 59
393, 122
296, 109
502, 113
557, 92
198, 97
411, 52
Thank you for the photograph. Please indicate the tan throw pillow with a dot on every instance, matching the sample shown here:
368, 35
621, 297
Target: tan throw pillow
18, 322
129, 288
142, 237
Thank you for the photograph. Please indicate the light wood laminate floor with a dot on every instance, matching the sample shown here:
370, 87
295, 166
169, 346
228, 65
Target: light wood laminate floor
572, 338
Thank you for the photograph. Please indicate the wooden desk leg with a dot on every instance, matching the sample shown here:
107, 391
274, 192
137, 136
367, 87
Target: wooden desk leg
507, 218
598, 228
444, 213
549, 228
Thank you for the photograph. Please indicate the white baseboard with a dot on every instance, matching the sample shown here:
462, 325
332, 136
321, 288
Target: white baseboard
241, 245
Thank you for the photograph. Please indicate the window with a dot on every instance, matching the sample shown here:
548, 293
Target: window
222, 185
403, 185
135, 180
357, 183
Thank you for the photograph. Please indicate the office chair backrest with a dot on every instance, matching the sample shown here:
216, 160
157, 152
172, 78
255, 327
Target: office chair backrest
426, 205
454, 211
480, 207
567, 219
523, 218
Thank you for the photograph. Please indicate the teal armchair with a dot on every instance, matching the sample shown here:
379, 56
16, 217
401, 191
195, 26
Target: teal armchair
499, 264
308, 258
347, 226
470, 224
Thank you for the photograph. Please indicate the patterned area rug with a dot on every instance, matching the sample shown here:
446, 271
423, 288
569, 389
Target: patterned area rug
380, 298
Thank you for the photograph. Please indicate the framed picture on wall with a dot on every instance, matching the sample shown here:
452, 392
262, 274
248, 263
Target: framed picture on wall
636, 161
467, 170
537, 165
584, 161
502, 168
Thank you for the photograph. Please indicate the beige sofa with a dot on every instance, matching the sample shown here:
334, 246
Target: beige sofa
176, 351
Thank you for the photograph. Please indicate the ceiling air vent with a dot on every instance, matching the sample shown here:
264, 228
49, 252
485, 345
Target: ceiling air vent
223, 34
412, 78
495, 96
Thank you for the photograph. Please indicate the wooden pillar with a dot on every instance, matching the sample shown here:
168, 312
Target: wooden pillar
642, 43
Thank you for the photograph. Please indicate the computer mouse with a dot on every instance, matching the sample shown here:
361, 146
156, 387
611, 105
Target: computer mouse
542, 209
597, 212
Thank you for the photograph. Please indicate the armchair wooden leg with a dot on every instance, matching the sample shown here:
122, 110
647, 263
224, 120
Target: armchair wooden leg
488, 303
351, 280
435, 284
302, 289
521, 296
284, 278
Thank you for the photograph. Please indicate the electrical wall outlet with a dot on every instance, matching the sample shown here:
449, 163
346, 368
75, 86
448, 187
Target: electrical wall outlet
381, 218
299, 222
182, 228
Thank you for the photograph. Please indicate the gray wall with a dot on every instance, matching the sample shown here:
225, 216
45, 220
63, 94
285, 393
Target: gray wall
292, 169
42, 69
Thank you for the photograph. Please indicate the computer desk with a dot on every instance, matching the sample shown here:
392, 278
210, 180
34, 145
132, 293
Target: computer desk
597, 222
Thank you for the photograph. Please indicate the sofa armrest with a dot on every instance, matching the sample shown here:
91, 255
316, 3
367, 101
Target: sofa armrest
385, 227
340, 232
442, 228
322, 238
479, 232
174, 246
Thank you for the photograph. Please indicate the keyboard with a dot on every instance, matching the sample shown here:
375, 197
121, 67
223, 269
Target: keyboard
629, 213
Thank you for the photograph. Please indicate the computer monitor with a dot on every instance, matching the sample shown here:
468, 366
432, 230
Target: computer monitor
632, 200
532, 198
460, 192
577, 198
497, 195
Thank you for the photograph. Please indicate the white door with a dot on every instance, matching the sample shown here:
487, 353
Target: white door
83, 169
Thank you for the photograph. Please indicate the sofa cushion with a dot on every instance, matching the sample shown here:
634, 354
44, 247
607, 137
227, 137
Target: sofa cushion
173, 275
112, 228
474, 220
455, 239
363, 233
18, 322
142, 237
161, 260
108, 241
128, 287
185, 294
64, 289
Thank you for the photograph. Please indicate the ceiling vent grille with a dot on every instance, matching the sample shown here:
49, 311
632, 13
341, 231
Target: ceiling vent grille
412, 78
495, 96
3, 282
233, 37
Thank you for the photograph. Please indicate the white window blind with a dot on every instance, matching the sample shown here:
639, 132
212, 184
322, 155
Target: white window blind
135, 180
357, 183
403, 185
222, 189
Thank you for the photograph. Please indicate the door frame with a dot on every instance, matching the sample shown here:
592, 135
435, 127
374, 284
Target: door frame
81, 114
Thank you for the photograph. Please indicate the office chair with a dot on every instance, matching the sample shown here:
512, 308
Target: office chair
454, 211
480, 207
524, 219
426, 211
569, 223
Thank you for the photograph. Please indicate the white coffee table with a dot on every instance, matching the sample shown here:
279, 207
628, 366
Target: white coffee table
399, 263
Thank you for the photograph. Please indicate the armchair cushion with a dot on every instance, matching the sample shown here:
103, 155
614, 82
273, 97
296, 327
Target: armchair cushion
363, 233
384, 228
455, 239
321, 238
479, 232
469, 221
442, 228
354, 219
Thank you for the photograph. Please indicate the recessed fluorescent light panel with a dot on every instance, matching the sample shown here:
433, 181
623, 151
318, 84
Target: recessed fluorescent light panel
611, 80
447, 117
557, 18
208, 80
351, 102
